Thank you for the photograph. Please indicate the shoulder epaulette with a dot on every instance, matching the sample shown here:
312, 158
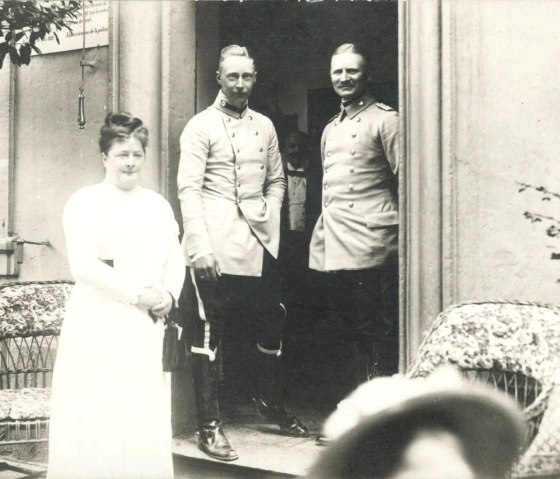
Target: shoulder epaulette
383, 106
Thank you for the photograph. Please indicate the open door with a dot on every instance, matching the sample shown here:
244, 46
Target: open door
292, 44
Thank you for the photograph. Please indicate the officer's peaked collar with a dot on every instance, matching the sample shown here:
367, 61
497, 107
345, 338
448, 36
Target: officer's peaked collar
356, 105
226, 107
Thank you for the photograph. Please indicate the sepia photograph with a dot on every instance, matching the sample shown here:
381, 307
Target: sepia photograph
267, 239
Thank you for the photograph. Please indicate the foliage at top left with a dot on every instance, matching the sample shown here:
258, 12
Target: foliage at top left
22, 23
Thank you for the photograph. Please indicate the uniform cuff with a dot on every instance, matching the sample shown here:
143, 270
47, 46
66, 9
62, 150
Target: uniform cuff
200, 255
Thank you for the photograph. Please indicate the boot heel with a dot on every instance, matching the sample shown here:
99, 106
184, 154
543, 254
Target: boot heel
289, 424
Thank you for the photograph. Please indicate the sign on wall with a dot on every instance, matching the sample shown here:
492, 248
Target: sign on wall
96, 30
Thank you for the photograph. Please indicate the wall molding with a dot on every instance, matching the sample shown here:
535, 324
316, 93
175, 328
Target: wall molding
427, 204
11, 151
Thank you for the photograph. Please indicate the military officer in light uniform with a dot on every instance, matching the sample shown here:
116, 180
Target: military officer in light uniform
231, 186
355, 238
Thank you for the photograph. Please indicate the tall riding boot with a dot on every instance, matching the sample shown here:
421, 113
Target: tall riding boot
209, 437
268, 395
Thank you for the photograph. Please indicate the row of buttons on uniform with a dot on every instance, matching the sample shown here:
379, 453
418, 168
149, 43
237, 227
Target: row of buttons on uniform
238, 166
350, 187
352, 152
228, 118
350, 204
337, 122
237, 150
233, 134
351, 170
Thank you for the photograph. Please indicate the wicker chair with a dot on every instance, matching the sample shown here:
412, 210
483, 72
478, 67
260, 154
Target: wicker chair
30, 318
511, 345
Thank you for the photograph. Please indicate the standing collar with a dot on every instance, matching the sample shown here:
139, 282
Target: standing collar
356, 105
221, 103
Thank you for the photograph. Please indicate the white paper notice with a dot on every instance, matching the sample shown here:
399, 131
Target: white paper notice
97, 30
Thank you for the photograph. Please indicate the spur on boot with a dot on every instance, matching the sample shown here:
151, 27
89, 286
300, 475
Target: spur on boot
211, 440
289, 424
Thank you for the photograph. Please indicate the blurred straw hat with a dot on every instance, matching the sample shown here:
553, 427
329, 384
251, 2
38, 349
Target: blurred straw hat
488, 423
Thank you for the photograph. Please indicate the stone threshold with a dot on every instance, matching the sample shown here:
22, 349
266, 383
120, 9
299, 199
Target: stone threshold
261, 446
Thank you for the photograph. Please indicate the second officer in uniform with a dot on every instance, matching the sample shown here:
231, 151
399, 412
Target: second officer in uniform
355, 239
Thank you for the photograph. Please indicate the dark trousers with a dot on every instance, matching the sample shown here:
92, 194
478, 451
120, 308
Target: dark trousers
251, 304
248, 302
363, 310
293, 259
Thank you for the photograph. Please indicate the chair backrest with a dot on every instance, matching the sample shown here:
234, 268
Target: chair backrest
515, 336
31, 315
513, 346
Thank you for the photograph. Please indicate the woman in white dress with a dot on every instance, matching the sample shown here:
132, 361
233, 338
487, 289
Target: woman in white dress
110, 407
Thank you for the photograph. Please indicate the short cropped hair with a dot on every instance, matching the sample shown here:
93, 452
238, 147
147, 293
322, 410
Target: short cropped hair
354, 48
121, 126
234, 51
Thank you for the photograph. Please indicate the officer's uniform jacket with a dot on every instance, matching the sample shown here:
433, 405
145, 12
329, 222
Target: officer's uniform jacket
358, 226
231, 186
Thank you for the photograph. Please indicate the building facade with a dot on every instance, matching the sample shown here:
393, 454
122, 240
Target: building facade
476, 85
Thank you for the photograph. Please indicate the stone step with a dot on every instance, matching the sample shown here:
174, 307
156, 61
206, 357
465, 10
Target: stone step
263, 451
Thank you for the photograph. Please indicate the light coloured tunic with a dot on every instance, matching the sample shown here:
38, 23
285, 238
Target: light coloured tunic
358, 226
231, 187
110, 408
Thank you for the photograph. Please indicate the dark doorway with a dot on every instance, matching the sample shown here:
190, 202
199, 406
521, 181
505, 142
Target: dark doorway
292, 43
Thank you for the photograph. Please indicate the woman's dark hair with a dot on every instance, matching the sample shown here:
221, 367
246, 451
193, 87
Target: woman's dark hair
121, 126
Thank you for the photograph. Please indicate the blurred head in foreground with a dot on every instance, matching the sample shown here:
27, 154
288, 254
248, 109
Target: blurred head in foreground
440, 427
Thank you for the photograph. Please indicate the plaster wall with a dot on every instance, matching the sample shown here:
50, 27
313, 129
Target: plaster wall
151, 75
505, 119
5, 151
53, 158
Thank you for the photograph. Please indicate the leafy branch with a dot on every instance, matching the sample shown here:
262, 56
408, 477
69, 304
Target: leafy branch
552, 223
22, 23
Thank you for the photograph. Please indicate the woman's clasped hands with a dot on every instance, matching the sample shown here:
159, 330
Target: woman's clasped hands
155, 300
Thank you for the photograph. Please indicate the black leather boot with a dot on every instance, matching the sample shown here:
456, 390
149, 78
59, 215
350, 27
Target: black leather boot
211, 440
277, 414
268, 396
210, 437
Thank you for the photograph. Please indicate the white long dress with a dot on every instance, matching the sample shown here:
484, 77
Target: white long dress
110, 407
